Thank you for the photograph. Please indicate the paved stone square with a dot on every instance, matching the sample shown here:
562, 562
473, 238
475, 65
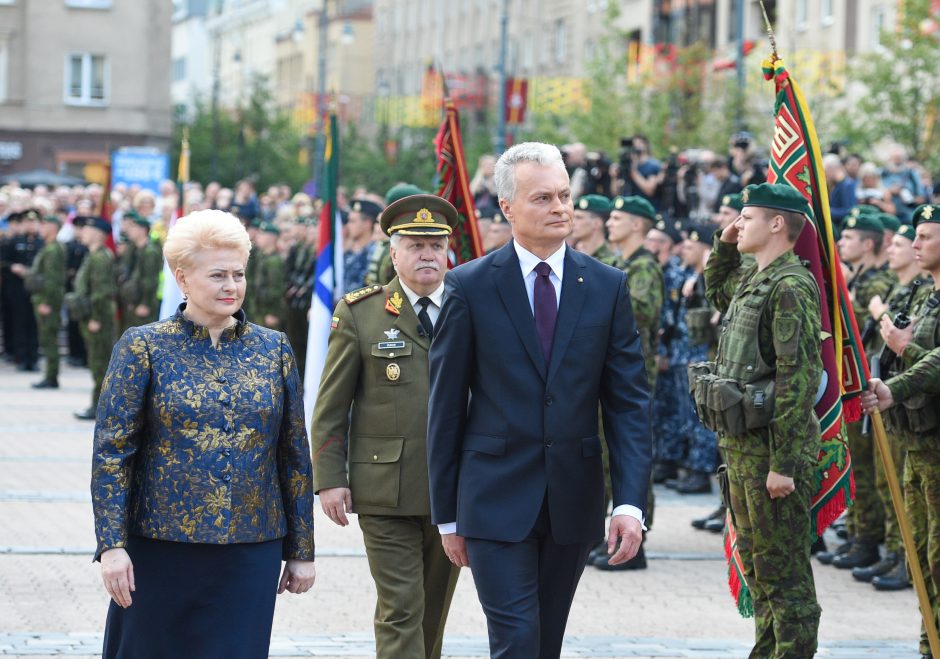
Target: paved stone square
53, 604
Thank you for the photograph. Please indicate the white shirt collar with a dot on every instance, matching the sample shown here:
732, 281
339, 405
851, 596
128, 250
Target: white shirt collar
437, 297
528, 260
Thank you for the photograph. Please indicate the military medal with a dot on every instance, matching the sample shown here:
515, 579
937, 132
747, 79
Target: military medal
392, 372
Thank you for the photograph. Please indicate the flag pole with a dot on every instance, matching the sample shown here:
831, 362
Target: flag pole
907, 533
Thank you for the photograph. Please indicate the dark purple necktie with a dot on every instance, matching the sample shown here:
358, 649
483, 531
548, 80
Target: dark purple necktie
545, 305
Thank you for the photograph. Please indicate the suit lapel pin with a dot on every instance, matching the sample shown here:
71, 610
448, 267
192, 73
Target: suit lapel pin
580, 280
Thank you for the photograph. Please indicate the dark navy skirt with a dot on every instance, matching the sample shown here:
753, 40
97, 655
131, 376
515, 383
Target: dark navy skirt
196, 600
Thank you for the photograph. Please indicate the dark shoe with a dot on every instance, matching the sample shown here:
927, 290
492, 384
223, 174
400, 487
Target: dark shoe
862, 554
896, 579
885, 565
826, 557
638, 562
85, 415
700, 523
600, 549
672, 483
698, 482
76, 361
30, 368
819, 546
715, 525
46, 384
664, 471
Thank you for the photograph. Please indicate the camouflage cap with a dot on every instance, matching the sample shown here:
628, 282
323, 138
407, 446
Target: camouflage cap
594, 203
926, 213
776, 196
906, 231
864, 222
400, 190
732, 201
635, 205
420, 215
889, 222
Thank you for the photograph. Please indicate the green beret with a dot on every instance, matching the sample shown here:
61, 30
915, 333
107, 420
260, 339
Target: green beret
594, 203
137, 219
98, 223
889, 222
366, 207
269, 227
864, 222
777, 196
906, 231
864, 208
702, 233
419, 215
400, 190
635, 206
732, 201
926, 213
836, 233
52, 219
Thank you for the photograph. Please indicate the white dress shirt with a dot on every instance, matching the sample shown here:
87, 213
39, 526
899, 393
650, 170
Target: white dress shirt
556, 261
437, 299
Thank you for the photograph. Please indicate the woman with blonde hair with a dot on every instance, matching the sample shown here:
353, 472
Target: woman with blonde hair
201, 476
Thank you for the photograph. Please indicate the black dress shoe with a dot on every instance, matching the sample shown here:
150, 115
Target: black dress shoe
862, 554
664, 471
697, 482
819, 545
896, 579
826, 557
715, 525
700, 523
600, 549
85, 415
638, 562
46, 384
885, 565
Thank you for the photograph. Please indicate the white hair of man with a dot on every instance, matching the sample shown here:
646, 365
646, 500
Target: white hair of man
537, 152
395, 239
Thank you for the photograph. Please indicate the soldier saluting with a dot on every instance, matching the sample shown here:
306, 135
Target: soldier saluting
758, 396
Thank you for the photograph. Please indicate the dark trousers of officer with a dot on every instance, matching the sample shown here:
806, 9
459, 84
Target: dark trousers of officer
26, 338
414, 582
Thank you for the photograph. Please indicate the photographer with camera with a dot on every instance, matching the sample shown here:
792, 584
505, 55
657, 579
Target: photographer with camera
744, 162
638, 172
574, 156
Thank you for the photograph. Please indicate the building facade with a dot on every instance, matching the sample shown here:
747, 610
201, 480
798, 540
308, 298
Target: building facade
80, 78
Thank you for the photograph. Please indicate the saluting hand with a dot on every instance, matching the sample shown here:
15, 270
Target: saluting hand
117, 572
336, 502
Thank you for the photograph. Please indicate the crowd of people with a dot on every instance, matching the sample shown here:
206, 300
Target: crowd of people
667, 227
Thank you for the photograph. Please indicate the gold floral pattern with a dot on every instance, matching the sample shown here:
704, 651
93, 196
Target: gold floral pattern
195, 443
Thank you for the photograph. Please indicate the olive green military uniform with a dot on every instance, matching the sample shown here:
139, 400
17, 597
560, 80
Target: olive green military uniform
95, 282
645, 279
141, 286
268, 289
606, 255
758, 396
866, 522
46, 283
124, 259
381, 270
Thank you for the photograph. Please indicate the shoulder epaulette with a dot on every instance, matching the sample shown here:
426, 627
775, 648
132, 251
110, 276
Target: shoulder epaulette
361, 294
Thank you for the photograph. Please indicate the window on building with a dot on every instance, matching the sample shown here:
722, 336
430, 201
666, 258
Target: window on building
88, 4
877, 26
86, 79
802, 14
561, 40
828, 17
179, 69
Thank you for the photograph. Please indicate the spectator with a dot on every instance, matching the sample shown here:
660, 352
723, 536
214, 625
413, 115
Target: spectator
841, 188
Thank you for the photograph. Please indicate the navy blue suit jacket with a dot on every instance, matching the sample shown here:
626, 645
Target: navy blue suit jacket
505, 428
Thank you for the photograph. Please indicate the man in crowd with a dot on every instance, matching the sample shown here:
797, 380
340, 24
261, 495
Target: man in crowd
269, 279
590, 213
46, 283
357, 242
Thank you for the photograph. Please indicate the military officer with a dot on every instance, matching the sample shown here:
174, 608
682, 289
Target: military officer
590, 213
728, 210
46, 283
381, 270
770, 350
92, 304
138, 293
912, 400
270, 279
375, 389
859, 246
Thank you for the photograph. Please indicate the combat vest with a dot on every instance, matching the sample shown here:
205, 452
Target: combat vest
734, 395
919, 415
698, 316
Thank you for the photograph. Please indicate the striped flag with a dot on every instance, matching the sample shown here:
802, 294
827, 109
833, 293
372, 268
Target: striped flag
171, 296
328, 276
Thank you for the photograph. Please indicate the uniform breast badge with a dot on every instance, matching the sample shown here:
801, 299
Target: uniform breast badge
392, 334
393, 372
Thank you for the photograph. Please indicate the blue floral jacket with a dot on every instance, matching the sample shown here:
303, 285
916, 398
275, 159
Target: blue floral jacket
195, 443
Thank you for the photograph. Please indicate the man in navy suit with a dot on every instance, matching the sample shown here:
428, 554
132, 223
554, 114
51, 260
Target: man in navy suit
531, 338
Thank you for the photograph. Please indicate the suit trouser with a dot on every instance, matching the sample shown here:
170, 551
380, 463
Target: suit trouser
526, 589
414, 582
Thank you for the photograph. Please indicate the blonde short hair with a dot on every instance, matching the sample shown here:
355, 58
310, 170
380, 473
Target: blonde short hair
206, 229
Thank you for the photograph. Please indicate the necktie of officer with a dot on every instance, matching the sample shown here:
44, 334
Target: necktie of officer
424, 317
545, 306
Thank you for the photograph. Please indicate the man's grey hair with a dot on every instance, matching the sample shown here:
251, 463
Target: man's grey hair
537, 152
395, 239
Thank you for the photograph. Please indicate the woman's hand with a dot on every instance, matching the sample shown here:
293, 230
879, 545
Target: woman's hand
298, 577
117, 572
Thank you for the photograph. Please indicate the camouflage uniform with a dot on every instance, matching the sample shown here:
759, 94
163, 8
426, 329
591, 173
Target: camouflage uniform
140, 287
46, 282
645, 279
381, 270
866, 517
95, 281
606, 255
702, 453
771, 334
267, 290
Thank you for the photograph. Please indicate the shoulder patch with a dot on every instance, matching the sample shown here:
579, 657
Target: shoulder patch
361, 294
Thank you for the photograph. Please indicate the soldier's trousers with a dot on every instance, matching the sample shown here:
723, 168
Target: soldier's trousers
414, 583
866, 517
899, 454
48, 328
774, 542
98, 344
672, 413
922, 500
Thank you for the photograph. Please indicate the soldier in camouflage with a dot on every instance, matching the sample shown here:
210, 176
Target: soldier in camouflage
859, 246
590, 213
758, 396
138, 293
93, 305
912, 400
270, 279
46, 283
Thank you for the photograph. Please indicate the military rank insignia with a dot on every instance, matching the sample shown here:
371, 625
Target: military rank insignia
361, 294
393, 303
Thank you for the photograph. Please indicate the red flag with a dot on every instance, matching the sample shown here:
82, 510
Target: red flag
517, 92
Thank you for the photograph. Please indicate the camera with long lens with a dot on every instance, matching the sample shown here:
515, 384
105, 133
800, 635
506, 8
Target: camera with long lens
598, 169
625, 156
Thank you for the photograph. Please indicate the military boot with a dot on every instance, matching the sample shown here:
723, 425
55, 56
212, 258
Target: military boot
826, 557
862, 554
896, 579
885, 565
85, 415
46, 384
697, 482
665, 470
718, 513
